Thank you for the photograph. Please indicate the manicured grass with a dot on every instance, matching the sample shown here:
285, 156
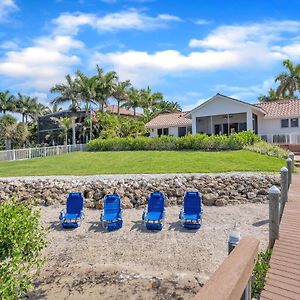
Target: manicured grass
90, 163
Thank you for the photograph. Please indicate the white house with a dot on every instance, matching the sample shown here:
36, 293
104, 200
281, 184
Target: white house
276, 121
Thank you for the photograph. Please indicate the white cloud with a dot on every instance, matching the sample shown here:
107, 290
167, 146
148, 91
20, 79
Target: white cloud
41, 65
202, 22
70, 23
6, 7
249, 93
237, 36
252, 46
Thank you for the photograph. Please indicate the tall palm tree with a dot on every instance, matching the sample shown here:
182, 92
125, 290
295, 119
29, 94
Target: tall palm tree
87, 93
289, 82
53, 109
26, 106
65, 124
120, 92
106, 83
69, 93
149, 99
7, 102
134, 100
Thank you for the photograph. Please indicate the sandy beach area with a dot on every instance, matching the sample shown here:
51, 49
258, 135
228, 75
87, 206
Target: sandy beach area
133, 263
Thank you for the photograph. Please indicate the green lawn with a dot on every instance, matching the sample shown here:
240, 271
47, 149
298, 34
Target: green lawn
90, 163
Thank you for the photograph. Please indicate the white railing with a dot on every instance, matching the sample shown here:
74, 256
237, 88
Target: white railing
281, 139
28, 153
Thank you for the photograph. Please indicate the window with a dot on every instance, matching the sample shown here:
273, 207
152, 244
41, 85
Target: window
159, 131
181, 131
284, 123
242, 127
295, 122
166, 131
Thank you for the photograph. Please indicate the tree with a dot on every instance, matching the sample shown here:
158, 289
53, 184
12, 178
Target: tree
28, 107
134, 100
271, 96
120, 92
289, 82
149, 100
69, 92
8, 126
168, 106
53, 109
65, 124
7, 102
105, 86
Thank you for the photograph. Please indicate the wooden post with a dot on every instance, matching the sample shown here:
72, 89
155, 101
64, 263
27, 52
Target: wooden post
274, 194
229, 281
292, 157
289, 167
284, 185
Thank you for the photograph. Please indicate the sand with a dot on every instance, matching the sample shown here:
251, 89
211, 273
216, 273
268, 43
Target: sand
133, 263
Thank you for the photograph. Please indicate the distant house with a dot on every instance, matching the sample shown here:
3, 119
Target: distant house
48, 126
113, 109
175, 124
276, 121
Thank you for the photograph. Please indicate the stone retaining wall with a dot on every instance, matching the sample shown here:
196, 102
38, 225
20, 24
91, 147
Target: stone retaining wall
219, 189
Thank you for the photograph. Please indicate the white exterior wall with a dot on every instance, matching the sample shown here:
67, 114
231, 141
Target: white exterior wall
273, 126
222, 106
172, 131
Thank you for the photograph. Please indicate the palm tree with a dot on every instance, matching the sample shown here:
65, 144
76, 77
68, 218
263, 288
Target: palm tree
68, 93
65, 124
271, 96
134, 100
55, 108
149, 99
38, 109
120, 92
26, 106
7, 102
105, 86
8, 127
289, 81
168, 106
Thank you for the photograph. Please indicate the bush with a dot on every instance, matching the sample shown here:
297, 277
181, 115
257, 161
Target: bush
22, 239
203, 142
259, 273
268, 149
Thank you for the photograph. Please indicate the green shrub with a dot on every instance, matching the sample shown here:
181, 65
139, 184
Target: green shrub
202, 142
259, 273
22, 239
268, 149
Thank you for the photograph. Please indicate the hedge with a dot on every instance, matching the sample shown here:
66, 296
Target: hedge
202, 142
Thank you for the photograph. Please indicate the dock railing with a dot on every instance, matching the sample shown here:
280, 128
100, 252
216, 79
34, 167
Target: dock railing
232, 277
29, 153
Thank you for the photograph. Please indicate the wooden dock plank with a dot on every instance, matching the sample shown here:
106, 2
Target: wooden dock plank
283, 277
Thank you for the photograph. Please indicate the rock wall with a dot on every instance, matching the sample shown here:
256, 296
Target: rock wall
219, 189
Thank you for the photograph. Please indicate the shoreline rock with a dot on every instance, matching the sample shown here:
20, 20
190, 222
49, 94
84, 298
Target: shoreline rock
216, 189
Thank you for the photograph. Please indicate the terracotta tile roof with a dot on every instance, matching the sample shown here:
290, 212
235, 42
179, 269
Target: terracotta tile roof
169, 120
113, 109
281, 108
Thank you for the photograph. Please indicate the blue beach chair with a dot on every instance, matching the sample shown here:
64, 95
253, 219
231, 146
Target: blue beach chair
73, 215
191, 213
111, 215
154, 213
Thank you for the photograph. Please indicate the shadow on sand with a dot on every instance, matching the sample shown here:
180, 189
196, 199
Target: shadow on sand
176, 226
260, 223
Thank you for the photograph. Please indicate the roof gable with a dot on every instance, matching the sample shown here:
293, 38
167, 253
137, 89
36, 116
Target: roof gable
220, 97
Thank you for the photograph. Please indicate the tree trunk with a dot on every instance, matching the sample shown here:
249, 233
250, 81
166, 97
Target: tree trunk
118, 107
102, 106
66, 139
8, 144
23, 118
134, 113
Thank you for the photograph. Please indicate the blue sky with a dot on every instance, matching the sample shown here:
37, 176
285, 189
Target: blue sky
188, 50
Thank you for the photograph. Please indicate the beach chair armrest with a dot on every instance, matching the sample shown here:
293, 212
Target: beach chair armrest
145, 211
101, 214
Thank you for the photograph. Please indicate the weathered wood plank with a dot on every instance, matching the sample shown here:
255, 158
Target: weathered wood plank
230, 280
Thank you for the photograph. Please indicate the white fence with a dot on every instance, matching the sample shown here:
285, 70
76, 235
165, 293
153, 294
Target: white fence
28, 153
281, 139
